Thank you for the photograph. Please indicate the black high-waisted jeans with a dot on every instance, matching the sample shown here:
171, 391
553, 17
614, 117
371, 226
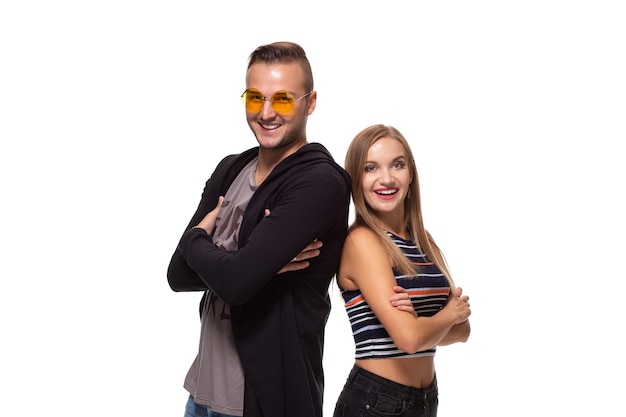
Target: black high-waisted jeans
367, 394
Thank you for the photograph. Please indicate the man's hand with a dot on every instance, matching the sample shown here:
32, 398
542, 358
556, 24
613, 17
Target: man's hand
300, 261
208, 223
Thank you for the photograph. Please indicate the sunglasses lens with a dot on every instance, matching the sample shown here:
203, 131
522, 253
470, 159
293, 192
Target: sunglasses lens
282, 102
253, 99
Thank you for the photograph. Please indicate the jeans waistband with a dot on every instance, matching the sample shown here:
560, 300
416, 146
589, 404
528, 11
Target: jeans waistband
363, 378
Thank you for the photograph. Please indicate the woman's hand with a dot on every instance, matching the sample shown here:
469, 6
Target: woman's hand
402, 301
458, 305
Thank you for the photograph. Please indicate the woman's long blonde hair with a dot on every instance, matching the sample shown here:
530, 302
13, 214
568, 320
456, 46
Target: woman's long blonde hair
364, 216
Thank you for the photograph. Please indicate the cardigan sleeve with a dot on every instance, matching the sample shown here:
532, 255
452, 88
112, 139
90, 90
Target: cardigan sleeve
305, 207
180, 276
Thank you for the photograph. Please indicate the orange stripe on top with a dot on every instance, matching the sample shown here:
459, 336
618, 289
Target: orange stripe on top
355, 301
430, 291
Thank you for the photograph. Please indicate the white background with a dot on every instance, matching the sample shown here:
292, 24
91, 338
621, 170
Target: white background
113, 114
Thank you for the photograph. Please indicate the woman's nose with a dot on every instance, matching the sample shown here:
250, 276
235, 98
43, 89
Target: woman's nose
385, 176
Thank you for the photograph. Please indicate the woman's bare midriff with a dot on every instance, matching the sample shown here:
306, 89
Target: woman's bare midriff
412, 372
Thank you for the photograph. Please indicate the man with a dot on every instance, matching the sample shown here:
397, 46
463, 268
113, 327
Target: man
264, 310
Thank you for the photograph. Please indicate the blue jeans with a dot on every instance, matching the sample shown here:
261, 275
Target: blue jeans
198, 410
367, 394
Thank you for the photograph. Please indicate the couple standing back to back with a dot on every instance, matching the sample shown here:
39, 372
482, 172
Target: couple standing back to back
270, 233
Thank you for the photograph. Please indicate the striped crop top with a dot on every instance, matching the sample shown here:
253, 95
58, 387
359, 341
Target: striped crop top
428, 291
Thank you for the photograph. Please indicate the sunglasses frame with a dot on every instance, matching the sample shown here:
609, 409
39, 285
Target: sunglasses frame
273, 100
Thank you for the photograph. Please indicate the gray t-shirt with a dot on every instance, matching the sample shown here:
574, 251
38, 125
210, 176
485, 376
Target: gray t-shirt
216, 376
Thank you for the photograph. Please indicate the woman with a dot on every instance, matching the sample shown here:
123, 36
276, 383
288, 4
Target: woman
389, 255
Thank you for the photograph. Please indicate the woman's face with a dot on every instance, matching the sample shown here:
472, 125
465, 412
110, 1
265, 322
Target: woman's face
386, 178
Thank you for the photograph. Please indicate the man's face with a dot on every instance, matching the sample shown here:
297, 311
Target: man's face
274, 130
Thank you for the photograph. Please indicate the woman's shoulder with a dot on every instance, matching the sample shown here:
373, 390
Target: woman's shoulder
361, 238
362, 233
363, 255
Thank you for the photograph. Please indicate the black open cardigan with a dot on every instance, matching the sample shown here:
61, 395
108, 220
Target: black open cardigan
278, 320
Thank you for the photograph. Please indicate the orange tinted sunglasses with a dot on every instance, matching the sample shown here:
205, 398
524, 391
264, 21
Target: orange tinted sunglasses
282, 101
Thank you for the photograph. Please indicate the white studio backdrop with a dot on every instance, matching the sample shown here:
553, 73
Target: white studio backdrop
113, 115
